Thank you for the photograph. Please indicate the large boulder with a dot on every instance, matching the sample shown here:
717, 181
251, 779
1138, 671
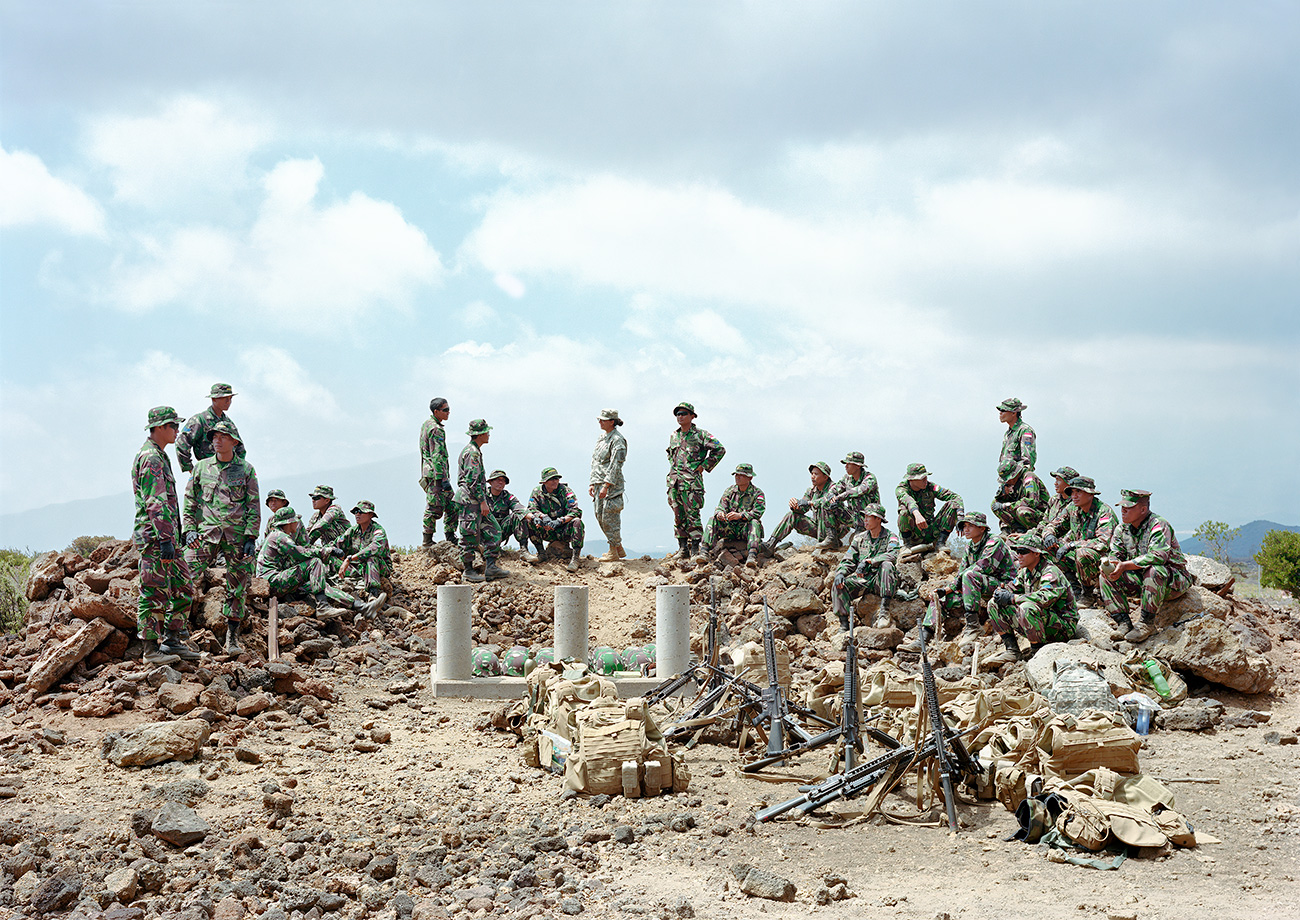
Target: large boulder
1197, 602
1210, 650
179, 699
795, 602
178, 825
1209, 573
98, 607
1098, 628
155, 743
43, 576
61, 659
1110, 664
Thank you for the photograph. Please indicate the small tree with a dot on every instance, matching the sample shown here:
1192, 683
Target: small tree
1216, 536
1279, 561
85, 544
14, 566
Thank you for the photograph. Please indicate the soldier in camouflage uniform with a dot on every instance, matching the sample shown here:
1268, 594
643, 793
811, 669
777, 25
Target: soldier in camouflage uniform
366, 552
291, 568
739, 515
1145, 559
985, 566
692, 452
847, 501
1054, 522
165, 583
275, 500
1021, 499
553, 514
435, 473
222, 518
478, 528
507, 509
606, 485
196, 435
920, 520
808, 513
867, 568
1091, 525
1039, 603
328, 523
1019, 443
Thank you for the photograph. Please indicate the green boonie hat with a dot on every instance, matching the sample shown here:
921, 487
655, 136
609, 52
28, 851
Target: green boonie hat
224, 427
322, 492
162, 415
276, 493
1028, 543
974, 517
219, 390
285, 515
916, 471
1009, 470
364, 507
478, 427
1012, 405
821, 465
744, 469
1066, 472
499, 474
684, 405
1130, 497
610, 415
1084, 484
855, 456
549, 473
875, 509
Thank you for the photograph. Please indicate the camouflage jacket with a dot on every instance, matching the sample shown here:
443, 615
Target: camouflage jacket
196, 438
503, 505
471, 480
157, 513
925, 500
817, 498
434, 465
990, 557
1056, 518
1152, 542
607, 461
870, 550
1026, 494
1093, 529
281, 552
371, 543
1046, 586
1019, 444
560, 503
855, 495
222, 502
750, 503
299, 535
691, 454
328, 527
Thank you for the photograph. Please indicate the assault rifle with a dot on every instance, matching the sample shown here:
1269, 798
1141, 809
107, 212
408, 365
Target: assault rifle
774, 711
941, 753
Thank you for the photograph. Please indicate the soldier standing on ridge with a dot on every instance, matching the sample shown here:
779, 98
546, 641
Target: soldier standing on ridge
478, 528
1019, 443
692, 452
196, 436
606, 487
435, 473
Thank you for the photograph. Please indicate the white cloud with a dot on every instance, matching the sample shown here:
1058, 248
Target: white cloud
510, 285
712, 331
282, 382
478, 314
30, 195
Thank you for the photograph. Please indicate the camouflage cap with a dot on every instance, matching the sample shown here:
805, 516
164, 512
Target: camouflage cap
1029, 542
1084, 484
1009, 470
916, 471
744, 469
610, 415
221, 389
162, 415
875, 509
974, 517
322, 492
224, 427
285, 515
1130, 497
549, 473
855, 456
1012, 404
477, 427
499, 474
1066, 472
364, 507
277, 493
821, 465
684, 405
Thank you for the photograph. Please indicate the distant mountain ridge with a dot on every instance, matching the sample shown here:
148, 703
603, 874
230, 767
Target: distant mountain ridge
1247, 543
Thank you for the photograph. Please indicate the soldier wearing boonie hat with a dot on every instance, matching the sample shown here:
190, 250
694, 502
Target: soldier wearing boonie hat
1038, 604
868, 567
1090, 525
848, 498
553, 515
294, 569
1021, 499
507, 509
196, 434
739, 515
435, 473
274, 501
692, 452
1145, 560
1019, 444
920, 519
478, 528
807, 515
328, 523
366, 551
605, 486
1054, 522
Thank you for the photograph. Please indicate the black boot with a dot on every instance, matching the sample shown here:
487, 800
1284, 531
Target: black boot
470, 575
451, 537
173, 644
232, 637
153, 654
683, 547
428, 539
844, 622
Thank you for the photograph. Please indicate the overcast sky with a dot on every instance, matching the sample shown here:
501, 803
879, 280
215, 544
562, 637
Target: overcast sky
831, 226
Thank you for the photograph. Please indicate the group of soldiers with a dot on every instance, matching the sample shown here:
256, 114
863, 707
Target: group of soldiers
221, 519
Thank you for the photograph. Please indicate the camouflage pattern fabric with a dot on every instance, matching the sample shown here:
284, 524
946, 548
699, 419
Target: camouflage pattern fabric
239, 570
846, 502
370, 555
479, 532
221, 501
807, 521
1043, 609
1020, 445
291, 567
1087, 540
609, 515
1162, 568
752, 504
691, 454
940, 520
984, 567
435, 476
509, 514
1055, 519
195, 438
328, 527
166, 593
868, 567
607, 461
1025, 501
165, 584
555, 505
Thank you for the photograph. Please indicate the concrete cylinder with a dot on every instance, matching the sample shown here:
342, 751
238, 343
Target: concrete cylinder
571, 622
454, 645
672, 630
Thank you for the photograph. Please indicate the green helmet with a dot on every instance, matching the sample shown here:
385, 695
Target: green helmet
513, 660
634, 658
604, 660
546, 656
649, 649
485, 663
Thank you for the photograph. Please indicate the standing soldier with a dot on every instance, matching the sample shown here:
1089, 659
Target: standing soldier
1146, 560
847, 501
478, 528
222, 517
328, 524
606, 488
553, 514
1019, 442
808, 513
508, 510
1038, 604
867, 568
692, 452
435, 473
920, 519
165, 583
365, 548
196, 437
1021, 499
739, 515
1091, 527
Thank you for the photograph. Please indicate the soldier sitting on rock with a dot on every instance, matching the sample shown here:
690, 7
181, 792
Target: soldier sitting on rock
553, 514
328, 524
868, 568
275, 500
1038, 605
365, 548
507, 510
920, 519
739, 515
292, 568
1091, 525
848, 499
808, 514
1145, 560
1054, 523
1021, 499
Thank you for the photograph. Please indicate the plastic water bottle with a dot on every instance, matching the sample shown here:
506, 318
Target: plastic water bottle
1143, 721
1157, 678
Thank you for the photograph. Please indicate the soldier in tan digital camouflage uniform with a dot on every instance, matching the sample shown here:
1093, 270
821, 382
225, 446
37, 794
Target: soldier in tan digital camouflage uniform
606, 483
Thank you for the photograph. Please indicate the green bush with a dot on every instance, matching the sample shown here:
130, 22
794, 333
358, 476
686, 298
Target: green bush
1279, 561
13, 580
85, 545
1216, 535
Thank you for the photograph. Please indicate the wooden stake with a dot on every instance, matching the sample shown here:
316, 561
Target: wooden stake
273, 631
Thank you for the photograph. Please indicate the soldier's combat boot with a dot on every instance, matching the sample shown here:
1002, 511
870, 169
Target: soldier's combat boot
831, 541
450, 534
173, 644
970, 633
914, 645
575, 559
375, 604
1123, 622
844, 622
683, 547
1142, 630
470, 575
155, 655
613, 554
751, 561
232, 638
493, 572
882, 615
428, 539
1009, 652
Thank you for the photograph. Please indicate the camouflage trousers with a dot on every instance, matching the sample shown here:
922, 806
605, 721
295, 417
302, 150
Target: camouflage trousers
838, 519
609, 515
479, 532
1152, 586
1083, 563
686, 502
439, 504
878, 579
751, 532
1033, 622
513, 525
1018, 518
166, 592
239, 571
307, 577
804, 523
945, 519
572, 533
370, 573
972, 589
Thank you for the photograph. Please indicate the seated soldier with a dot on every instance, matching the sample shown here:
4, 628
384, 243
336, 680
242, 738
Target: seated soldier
739, 515
553, 514
867, 568
365, 549
329, 524
1091, 524
507, 510
1038, 605
1021, 499
807, 513
275, 500
920, 520
985, 565
293, 568
848, 499
1053, 524
1144, 560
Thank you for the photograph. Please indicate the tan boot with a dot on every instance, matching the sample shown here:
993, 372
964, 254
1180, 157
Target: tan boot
613, 554
619, 547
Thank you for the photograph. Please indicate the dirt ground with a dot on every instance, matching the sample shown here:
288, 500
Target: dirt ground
444, 819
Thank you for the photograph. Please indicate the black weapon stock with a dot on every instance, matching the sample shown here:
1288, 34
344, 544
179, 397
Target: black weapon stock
937, 728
